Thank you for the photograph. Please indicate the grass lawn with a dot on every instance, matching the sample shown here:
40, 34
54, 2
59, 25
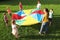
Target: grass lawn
31, 32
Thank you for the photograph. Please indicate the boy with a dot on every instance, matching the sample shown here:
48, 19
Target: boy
50, 16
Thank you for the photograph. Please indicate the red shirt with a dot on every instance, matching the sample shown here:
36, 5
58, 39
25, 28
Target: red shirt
20, 6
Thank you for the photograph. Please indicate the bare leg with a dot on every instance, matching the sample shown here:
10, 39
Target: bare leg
17, 35
50, 23
41, 28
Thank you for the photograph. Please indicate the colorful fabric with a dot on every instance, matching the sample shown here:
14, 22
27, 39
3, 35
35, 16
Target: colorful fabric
17, 17
29, 18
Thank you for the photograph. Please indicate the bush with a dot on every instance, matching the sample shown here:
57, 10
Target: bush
4, 0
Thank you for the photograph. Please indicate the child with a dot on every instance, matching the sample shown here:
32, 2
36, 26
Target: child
9, 11
44, 22
20, 6
5, 19
14, 29
50, 16
38, 5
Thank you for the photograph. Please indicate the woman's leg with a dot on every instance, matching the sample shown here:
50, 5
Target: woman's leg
46, 27
41, 29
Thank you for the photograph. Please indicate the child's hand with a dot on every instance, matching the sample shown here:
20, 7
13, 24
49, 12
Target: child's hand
18, 26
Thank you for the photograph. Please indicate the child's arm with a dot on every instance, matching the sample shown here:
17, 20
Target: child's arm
43, 17
17, 26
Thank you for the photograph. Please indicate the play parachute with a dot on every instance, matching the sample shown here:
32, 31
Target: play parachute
25, 17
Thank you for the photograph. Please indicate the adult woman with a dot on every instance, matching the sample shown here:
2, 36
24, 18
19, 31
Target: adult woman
45, 21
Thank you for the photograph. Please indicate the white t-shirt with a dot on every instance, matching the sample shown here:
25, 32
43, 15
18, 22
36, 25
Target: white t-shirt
39, 5
50, 14
13, 26
14, 29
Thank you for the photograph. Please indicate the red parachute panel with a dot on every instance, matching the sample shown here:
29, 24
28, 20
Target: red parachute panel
17, 17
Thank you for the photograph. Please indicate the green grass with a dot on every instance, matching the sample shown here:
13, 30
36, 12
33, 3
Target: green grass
31, 32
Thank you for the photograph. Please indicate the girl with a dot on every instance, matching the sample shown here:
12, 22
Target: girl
44, 22
14, 29
38, 5
20, 6
5, 19
50, 16
9, 11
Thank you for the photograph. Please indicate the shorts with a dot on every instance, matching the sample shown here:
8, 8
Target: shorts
50, 19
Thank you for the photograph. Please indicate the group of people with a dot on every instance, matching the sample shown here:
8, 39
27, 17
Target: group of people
47, 20
13, 24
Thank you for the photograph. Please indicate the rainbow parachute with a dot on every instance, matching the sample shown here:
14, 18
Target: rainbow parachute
28, 17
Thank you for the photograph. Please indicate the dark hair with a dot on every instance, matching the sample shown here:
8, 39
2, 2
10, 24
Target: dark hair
13, 21
46, 9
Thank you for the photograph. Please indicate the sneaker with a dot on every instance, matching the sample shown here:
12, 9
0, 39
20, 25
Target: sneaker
39, 32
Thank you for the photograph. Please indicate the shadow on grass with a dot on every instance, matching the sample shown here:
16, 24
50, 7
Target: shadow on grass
55, 24
54, 30
28, 2
41, 37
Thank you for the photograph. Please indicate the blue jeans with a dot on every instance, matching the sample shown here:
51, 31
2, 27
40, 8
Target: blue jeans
44, 27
